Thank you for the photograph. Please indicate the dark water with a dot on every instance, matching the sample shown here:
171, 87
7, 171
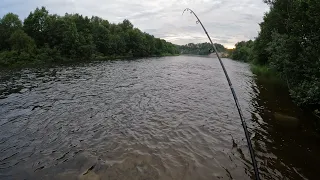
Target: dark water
158, 118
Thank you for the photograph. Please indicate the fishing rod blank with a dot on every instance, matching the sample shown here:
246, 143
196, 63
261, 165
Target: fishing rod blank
244, 125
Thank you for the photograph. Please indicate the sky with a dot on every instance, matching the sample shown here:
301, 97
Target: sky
227, 21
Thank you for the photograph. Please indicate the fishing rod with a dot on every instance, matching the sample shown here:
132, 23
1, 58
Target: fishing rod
243, 122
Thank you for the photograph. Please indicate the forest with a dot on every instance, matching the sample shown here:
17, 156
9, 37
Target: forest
288, 44
200, 48
44, 38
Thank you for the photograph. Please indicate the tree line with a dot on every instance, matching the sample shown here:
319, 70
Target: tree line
289, 44
200, 48
48, 38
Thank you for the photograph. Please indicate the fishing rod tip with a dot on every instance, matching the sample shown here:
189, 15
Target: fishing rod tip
186, 9
183, 11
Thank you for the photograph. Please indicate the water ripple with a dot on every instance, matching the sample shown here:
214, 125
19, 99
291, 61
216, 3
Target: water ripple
166, 118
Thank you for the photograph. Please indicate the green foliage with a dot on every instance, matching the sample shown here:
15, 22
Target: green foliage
8, 58
21, 42
9, 23
243, 51
200, 49
289, 43
72, 37
294, 48
264, 71
15, 59
47, 55
101, 38
36, 25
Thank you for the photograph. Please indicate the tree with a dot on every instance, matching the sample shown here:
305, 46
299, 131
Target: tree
9, 23
126, 25
136, 43
73, 37
243, 51
289, 43
201, 48
21, 42
56, 26
36, 25
151, 48
70, 39
101, 38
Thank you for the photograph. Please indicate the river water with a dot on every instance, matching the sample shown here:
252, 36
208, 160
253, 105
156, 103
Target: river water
157, 118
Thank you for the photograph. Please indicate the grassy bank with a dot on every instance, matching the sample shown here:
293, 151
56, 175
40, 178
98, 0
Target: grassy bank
261, 70
265, 72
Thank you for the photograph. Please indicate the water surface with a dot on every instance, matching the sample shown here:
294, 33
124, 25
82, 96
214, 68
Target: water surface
158, 118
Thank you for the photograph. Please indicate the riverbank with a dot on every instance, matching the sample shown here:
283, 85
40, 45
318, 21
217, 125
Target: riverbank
287, 48
108, 58
16, 62
268, 74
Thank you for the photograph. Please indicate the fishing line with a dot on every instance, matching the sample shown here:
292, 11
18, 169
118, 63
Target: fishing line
243, 122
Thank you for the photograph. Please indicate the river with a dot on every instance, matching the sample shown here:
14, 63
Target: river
155, 118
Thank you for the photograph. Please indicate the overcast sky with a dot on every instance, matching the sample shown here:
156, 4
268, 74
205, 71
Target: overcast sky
227, 21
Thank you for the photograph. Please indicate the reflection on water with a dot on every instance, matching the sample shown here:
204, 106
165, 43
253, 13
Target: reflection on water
286, 140
158, 118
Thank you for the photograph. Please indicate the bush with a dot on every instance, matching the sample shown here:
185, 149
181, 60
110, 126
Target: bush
15, 59
47, 55
21, 42
8, 58
306, 92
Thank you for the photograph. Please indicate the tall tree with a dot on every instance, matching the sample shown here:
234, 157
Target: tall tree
289, 42
201, 48
74, 37
21, 42
36, 25
9, 23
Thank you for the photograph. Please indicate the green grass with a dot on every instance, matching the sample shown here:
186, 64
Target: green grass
261, 70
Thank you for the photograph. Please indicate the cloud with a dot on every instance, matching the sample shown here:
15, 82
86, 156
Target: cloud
227, 21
